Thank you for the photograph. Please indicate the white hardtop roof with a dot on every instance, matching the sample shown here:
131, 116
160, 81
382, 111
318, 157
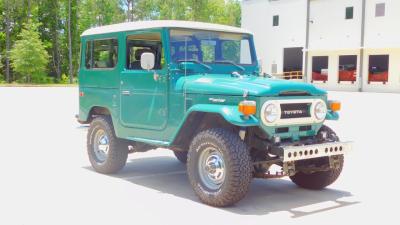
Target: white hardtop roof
143, 25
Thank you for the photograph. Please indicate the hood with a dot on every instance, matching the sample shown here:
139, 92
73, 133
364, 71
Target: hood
255, 86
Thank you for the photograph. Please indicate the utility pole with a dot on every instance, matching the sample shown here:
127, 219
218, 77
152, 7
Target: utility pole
307, 44
362, 42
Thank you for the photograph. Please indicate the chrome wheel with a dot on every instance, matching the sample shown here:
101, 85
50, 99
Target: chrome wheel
211, 168
101, 145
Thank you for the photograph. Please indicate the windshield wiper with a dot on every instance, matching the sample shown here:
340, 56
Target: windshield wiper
232, 63
195, 61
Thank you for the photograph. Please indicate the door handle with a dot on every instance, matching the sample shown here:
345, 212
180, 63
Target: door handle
126, 93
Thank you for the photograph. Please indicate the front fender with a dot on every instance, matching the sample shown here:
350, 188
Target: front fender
332, 115
230, 113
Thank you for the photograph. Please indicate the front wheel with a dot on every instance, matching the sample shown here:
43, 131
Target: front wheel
181, 156
219, 167
107, 153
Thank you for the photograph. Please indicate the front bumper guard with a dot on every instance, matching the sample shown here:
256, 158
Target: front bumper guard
295, 153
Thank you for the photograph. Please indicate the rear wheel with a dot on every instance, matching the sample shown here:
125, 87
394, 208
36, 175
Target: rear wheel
219, 167
107, 153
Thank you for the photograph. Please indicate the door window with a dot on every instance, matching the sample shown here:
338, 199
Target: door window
142, 43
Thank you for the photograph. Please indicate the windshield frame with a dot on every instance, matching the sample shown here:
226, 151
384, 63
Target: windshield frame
248, 37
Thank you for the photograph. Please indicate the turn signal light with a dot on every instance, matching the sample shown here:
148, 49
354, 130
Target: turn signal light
247, 107
335, 106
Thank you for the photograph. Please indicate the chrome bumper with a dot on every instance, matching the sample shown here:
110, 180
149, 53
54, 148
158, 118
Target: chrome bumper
294, 153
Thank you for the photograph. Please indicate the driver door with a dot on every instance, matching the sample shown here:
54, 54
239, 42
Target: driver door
144, 92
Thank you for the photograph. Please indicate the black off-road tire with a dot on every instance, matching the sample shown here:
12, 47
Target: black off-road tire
321, 179
118, 148
238, 170
318, 180
181, 156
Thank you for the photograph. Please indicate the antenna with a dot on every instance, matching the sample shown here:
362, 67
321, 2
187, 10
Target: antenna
185, 75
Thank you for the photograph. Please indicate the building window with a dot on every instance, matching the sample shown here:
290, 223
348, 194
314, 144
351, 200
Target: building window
347, 68
378, 70
380, 9
275, 20
349, 13
320, 68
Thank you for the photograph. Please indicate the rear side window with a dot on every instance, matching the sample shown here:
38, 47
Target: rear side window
101, 54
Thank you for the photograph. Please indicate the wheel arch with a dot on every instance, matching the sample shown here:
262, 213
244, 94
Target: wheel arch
97, 111
202, 117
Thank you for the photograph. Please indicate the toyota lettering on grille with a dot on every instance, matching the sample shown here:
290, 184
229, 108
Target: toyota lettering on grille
295, 110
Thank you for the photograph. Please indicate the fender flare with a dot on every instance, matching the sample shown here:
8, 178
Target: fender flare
332, 115
230, 113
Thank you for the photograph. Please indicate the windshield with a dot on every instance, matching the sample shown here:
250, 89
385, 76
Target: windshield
210, 47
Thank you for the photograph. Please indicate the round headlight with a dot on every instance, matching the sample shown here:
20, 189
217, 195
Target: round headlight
271, 113
320, 110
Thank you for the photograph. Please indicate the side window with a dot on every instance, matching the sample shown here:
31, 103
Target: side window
142, 43
101, 54
105, 53
88, 55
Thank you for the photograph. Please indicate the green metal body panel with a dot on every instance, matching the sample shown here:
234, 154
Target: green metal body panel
156, 109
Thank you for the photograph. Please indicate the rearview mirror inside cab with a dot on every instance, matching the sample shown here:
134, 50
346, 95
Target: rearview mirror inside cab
147, 60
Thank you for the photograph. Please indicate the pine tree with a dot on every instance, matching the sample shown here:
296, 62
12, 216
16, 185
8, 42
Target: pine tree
28, 56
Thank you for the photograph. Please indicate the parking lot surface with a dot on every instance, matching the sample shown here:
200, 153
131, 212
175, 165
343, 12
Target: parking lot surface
46, 177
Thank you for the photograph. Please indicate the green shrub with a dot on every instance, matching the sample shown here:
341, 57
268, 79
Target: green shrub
28, 56
43, 79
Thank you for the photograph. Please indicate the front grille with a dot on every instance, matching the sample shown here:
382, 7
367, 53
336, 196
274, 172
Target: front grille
295, 110
294, 93
281, 130
305, 128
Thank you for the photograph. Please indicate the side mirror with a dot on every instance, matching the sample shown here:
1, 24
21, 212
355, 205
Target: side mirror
147, 60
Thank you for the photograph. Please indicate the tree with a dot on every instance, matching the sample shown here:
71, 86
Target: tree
28, 56
50, 29
8, 12
71, 75
214, 11
14, 15
62, 21
94, 13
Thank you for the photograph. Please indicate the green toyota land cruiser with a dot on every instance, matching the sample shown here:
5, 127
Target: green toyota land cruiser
196, 89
